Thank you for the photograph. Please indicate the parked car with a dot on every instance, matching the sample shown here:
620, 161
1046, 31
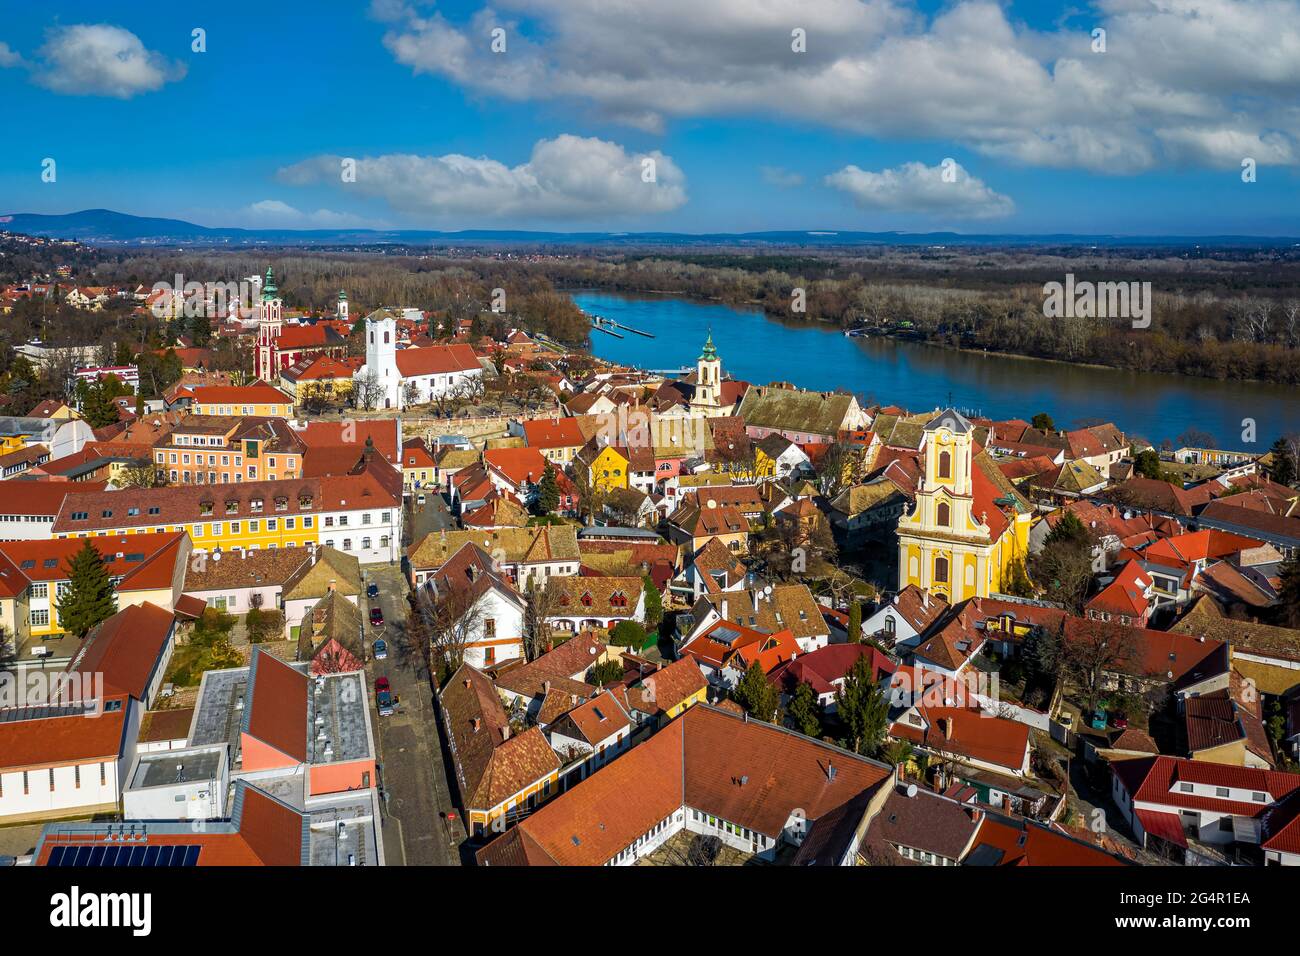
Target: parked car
372, 592
1119, 719
381, 649
381, 685
384, 700
376, 617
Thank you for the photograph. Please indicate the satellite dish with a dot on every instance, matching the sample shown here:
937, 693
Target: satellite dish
911, 789
768, 589
216, 555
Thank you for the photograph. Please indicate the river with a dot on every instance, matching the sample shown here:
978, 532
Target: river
917, 376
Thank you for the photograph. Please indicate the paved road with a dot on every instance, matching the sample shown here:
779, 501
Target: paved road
413, 773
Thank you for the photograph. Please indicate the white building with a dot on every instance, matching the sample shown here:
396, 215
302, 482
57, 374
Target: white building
398, 378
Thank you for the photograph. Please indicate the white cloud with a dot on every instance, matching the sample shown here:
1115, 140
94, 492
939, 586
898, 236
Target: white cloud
777, 176
917, 188
1175, 72
568, 177
8, 56
274, 213
102, 60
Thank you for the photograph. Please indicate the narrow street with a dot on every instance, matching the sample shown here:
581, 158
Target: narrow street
412, 771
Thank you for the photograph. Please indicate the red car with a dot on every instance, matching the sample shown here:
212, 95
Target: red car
376, 617
381, 685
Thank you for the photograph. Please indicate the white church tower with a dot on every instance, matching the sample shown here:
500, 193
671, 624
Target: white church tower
342, 314
381, 360
707, 395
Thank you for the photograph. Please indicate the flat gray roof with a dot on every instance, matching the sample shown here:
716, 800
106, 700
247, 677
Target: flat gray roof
165, 768
336, 715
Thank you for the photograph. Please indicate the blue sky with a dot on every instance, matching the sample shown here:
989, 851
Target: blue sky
1042, 133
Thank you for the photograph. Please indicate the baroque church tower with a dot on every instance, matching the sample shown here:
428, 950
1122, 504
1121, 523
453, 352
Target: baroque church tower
270, 323
707, 395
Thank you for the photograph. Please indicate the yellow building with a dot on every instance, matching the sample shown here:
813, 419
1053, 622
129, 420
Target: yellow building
968, 527
605, 467
256, 399
248, 516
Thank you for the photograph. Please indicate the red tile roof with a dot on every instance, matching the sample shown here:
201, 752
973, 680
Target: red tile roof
969, 733
746, 772
277, 708
436, 360
127, 649
257, 393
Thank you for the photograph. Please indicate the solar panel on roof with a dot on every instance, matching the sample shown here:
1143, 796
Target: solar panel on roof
101, 854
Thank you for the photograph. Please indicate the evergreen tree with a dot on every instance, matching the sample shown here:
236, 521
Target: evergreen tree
1289, 592
89, 597
1069, 529
97, 406
804, 711
628, 634
759, 698
201, 330
1147, 465
654, 604
863, 708
855, 622
1283, 468
548, 491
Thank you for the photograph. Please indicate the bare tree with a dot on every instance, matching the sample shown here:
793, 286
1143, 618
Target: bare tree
1093, 648
439, 629
541, 603
367, 390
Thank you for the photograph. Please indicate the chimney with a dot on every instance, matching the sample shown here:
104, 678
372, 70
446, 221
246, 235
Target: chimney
475, 722
546, 687
925, 599
505, 733
467, 683
945, 724
724, 609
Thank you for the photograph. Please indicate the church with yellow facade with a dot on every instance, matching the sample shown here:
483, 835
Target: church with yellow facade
969, 527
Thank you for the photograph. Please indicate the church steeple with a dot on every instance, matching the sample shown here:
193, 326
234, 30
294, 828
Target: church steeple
269, 290
708, 379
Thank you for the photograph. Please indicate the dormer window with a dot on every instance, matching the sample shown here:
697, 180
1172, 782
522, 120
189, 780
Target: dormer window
232, 507
304, 501
281, 503
587, 600
205, 507
255, 504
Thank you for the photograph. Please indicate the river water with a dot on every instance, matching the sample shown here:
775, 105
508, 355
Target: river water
917, 376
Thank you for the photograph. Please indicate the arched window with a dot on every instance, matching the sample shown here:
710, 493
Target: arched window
941, 570
944, 516
945, 465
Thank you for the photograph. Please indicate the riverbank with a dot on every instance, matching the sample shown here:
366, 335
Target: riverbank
920, 375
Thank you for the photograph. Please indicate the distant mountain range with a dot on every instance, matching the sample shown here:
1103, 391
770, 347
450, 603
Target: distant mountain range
104, 226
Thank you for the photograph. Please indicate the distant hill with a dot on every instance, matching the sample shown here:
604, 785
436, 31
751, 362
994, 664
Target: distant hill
105, 226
